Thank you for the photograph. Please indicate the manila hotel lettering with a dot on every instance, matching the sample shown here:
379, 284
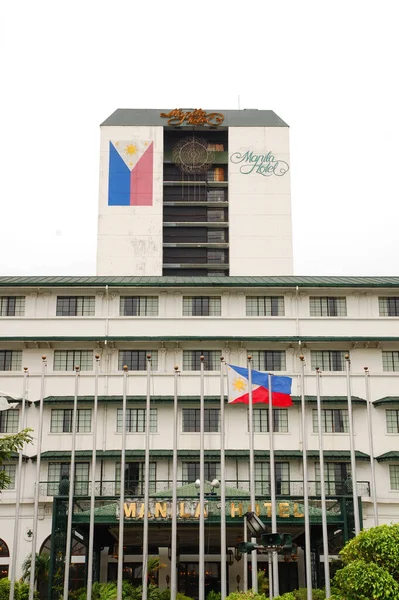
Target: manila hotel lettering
191, 510
263, 164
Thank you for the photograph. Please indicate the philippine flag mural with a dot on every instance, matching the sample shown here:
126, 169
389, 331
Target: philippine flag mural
131, 167
237, 378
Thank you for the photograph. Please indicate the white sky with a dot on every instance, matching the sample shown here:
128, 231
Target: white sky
329, 69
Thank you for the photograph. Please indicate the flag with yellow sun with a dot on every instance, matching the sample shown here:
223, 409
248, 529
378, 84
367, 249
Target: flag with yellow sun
130, 179
238, 387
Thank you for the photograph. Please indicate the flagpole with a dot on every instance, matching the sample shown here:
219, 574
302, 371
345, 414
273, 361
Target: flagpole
245, 557
352, 449
18, 491
173, 561
201, 573
146, 479
373, 489
68, 548
93, 484
223, 566
323, 490
254, 557
273, 486
308, 554
37, 486
122, 488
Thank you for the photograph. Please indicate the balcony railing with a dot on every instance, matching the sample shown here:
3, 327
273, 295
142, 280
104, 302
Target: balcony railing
262, 488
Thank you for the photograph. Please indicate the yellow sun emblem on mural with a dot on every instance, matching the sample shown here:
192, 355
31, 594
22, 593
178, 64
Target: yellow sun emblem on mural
239, 384
131, 149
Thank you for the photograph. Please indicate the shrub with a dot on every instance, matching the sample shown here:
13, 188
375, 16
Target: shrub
361, 580
249, 595
302, 594
21, 590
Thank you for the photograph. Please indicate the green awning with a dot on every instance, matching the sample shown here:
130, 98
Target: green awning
388, 456
386, 400
343, 455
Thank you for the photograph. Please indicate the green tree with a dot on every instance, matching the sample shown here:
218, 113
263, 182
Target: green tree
42, 567
8, 445
371, 565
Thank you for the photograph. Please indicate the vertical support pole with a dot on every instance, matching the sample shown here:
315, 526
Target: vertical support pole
90, 554
254, 558
37, 484
146, 479
223, 565
173, 559
270, 574
308, 557
201, 570
245, 558
373, 487
122, 489
273, 484
352, 448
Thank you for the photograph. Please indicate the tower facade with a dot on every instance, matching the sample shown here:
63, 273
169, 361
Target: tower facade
192, 192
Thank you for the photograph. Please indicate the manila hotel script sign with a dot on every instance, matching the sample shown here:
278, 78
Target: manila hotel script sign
263, 164
190, 509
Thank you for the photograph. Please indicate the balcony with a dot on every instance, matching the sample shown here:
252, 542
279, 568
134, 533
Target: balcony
234, 489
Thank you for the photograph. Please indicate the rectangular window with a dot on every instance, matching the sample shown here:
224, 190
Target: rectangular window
337, 477
202, 306
265, 306
61, 420
215, 215
139, 306
261, 420
389, 306
59, 475
191, 420
335, 420
192, 360
394, 476
217, 195
136, 360
215, 257
10, 360
268, 360
191, 471
328, 360
12, 306
390, 361
136, 421
67, 360
327, 306
75, 306
392, 417
134, 478
10, 472
216, 174
215, 236
9, 421
262, 478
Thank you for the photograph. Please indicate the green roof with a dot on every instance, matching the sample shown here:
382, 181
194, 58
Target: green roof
386, 400
388, 456
166, 281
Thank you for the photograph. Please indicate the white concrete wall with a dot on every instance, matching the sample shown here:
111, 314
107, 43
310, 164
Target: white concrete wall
130, 237
260, 231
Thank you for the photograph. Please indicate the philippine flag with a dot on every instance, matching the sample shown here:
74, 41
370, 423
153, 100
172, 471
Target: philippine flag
237, 378
131, 166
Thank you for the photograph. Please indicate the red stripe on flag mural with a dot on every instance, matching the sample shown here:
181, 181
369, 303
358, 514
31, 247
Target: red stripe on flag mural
141, 179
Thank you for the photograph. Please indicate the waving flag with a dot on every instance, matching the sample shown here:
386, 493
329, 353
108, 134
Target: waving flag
131, 169
237, 378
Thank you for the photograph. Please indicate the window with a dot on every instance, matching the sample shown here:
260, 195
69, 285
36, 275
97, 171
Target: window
335, 420
136, 360
327, 306
67, 360
12, 306
10, 360
328, 360
394, 476
191, 471
268, 360
390, 361
202, 306
337, 477
265, 306
260, 417
215, 236
139, 306
61, 420
9, 471
134, 478
9, 421
216, 195
392, 417
75, 306
262, 477
192, 362
58, 479
135, 420
389, 307
216, 174
214, 215
191, 420
4, 553
215, 256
